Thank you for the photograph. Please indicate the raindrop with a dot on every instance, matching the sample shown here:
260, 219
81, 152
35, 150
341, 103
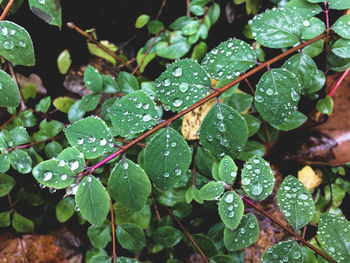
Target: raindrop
295, 96
166, 152
177, 172
41, 2
4, 31
147, 117
80, 141
166, 174
269, 92
91, 139
306, 23
177, 71
61, 163
183, 87
257, 189
245, 181
47, 176
177, 103
8, 44
303, 196
22, 44
259, 98
231, 214
103, 142
63, 177
125, 165
74, 165
229, 198
138, 105
173, 144
166, 82
89, 179
210, 138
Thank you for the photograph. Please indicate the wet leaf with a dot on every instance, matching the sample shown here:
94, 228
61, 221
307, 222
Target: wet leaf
251, 149
91, 136
93, 200
312, 27
342, 26
295, 202
48, 10
287, 251
176, 47
167, 157
223, 131
96, 51
325, 105
211, 191
246, 233
21, 161
277, 28
43, 105
277, 95
129, 185
17, 46
182, 84
92, 79
167, 236
65, 209
9, 94
229, 59
142, 218
294, 120
231, 209
19, 135
339, 4
257, 178
227, 170
73, 158
341, 48
134, 113
127, 83
131, 237
334, 236
54, 173
304, 8
99, 236
6, 184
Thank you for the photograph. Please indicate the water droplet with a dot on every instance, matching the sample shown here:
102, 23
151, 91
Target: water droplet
256, 161
91, 139
183, 87
245, 181
248, 166
221, 127
303, 196
166, 174
259, 98
147, 117
138, 105
231, 214
61, 163
166, 82
173, 144
177, 172
74, 165
22, 44
8, 44
166, 152
286, 187
177, 71
230, 207
125, 165
257, 189
295, 96
47, 176
80, 141
89, 178
41, 2
103, 142
63, 177
177, 103
219, 116
210, 138
306, 23
269, 92
229, 198
4, 31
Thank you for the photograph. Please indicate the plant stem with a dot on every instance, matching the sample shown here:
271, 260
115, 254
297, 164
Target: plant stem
216, 93
187, 234
250, 87
97, 43
9, 121
33, 143
113, 231
6, 10
327, 35
23, 105
160, 9
147, 51
187, 7
277, 222
195, 146
339, 82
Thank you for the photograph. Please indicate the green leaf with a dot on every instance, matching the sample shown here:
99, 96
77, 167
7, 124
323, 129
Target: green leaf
129, 185
52, 149
314, 49
142, 20
277, 95
99, 236
295, 202
257, 178
131, 237
338, 4
63, 104
100, 259
64, 61
133, 113
91, 136
19, 135
141, 218
199, 51
73, 158
4, 163
165, 147
21, 161
127, 82
334, 236
126, 260
54, 173
182, 84
253, 124
180, 23
155, 26
251, 149
229, 59
206, 244
65, 209
337, 63
231, 209
287, 251
92, 79
239, 101
9, 94
211, 191
223, 131
197, 10
22, 224
6, 184
342, 26
246, 233
75, 112
227, 170
167, 236
17, 46
304, 9
29, 92
312, 27
191, 28
96, 51
214, 13
148, 58
304, 68
48, 10
43, 105
109, 84
277, 28
294, 120
106, 108
341, 48
92, 200
176, 47
89, 102
325, 105
5, 219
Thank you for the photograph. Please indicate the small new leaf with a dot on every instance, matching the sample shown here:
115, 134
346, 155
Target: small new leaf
231, 209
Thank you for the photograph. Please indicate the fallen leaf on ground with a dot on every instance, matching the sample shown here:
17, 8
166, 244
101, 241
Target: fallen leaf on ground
310, 178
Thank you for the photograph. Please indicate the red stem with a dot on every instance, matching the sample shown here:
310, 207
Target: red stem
338, 82
113, 231
6, 10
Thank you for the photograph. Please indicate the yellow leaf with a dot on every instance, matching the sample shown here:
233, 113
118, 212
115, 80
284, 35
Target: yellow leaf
310, 178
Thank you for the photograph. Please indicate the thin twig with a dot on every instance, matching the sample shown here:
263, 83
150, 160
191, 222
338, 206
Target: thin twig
8, 121
195, 146
216, 93
327, 35
33, 143
97, 43
160, 9
250, 87
277, 222
187, 234
113, 231
147, 51
6, 10
13, 75
187, 7
339, 82
143, 145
